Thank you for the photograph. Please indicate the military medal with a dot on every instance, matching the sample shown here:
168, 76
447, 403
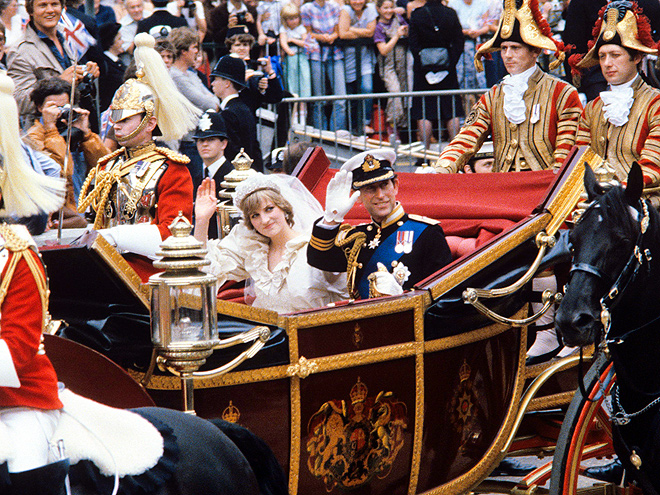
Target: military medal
375, 242
404, 241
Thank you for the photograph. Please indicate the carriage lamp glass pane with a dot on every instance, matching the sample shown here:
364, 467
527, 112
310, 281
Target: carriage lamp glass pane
187, 314
210, 308
160, 315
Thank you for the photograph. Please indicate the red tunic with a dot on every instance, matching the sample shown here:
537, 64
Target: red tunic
174, 194
20, 327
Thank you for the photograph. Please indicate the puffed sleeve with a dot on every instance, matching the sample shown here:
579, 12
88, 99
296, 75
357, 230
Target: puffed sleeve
228, 255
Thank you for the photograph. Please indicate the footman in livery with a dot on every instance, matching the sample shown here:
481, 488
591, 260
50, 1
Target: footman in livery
411, 247
623, 123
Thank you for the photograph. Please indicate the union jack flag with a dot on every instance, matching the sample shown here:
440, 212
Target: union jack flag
76, 37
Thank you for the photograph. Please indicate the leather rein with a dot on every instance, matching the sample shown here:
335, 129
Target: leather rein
638, 258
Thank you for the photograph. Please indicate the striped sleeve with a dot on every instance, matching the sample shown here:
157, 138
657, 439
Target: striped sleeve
583, 136
650, 156
569, 109
470, 138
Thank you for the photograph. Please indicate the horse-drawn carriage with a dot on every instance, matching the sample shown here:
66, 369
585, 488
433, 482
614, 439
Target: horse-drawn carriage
417, 393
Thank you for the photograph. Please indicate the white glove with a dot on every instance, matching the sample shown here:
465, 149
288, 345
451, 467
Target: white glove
383, 282
338, 197
8, 375
141, 238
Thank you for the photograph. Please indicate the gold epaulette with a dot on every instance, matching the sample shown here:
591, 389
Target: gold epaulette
106, 158
423, 219
175, 156
13, 240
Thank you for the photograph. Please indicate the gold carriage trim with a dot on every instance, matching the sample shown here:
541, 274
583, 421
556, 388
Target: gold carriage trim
350, 443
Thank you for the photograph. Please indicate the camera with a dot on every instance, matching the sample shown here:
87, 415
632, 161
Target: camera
65, 112
191, 7
240, 18
256, 64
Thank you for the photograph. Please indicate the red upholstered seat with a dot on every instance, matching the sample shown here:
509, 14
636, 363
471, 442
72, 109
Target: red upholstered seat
472, 208
477, 206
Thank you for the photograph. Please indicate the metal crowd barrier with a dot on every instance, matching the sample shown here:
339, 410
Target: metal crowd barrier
341, 144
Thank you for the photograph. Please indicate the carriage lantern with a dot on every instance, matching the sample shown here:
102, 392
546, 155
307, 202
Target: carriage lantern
228, 215
184, 316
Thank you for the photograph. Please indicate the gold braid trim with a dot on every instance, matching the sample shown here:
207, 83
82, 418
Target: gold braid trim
104, 182
83, 198
19, 247
173, 155
351, 244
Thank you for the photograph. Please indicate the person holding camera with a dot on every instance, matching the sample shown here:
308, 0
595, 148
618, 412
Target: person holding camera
192, 11
48, 135
230, 14
262, 84
43, 53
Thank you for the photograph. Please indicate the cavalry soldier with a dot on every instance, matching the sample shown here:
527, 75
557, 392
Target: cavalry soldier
531, 115
137, 191
29, 401
414, 247
622, 124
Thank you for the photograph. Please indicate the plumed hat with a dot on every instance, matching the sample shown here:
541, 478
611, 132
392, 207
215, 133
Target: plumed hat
522, 22
154, 93
371, 166
619, 23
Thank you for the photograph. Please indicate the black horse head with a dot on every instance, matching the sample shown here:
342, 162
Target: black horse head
602, 242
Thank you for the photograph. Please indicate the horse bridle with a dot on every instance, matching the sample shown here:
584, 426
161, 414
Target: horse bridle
611, 299
627, 275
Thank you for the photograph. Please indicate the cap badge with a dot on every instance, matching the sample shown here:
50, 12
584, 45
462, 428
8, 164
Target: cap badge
370, 164
205, 122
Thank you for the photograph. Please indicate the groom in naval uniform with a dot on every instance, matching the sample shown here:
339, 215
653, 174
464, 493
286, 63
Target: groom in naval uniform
412, 247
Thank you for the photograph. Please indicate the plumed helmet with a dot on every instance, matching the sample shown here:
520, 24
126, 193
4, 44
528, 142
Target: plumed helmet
154, 93
24, 192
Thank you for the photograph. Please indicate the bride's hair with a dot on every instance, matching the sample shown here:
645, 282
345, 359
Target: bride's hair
251, 203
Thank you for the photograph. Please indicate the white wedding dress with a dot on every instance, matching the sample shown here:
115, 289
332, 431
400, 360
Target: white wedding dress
293, 285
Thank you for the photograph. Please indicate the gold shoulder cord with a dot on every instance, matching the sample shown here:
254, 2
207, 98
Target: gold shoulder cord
20, 247
351, 244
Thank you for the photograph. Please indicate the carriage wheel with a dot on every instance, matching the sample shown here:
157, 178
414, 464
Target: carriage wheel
586, 431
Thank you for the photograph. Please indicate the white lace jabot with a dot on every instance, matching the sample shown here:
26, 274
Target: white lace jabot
617, 102
514, 88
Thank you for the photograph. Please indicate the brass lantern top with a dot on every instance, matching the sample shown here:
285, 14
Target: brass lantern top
181, 251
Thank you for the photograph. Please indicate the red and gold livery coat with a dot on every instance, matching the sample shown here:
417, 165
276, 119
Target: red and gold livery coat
637, 140
542, 141
150, 184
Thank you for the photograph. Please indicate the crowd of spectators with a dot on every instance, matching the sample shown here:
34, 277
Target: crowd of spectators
305, 48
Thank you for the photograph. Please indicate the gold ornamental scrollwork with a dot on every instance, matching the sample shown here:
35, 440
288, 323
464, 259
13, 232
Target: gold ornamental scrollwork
303, 368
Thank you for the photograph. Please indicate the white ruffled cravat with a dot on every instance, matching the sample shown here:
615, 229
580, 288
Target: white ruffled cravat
617, 103
514, 88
